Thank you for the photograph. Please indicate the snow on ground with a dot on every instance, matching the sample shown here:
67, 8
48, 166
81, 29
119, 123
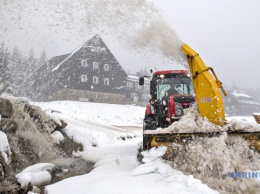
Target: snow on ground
36, 175
5, 150
107, 114
97, 127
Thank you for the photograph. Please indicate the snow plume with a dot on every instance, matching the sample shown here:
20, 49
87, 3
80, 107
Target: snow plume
160, 36
138, 22
119, 17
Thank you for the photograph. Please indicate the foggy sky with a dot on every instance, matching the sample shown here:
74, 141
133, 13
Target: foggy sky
224, 32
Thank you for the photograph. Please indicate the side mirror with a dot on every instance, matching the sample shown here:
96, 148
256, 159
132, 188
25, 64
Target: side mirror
141, 81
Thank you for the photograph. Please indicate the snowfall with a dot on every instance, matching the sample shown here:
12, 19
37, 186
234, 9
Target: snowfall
100, 128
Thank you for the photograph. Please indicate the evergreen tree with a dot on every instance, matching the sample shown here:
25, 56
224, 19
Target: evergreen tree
30, 64
43, 58
3, 68
15, 68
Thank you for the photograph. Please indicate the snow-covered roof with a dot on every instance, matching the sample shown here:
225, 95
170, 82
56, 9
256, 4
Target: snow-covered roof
244, 98
74, 51
69, 56
240, 94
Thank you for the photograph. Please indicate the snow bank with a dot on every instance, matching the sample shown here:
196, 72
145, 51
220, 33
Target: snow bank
53, 117
153, 163
36, 175
5, 150
210, 159
242, 124
57, 137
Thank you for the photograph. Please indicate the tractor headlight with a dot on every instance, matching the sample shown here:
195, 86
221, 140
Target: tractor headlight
178, 110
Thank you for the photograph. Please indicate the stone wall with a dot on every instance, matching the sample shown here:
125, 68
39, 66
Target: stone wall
88, 96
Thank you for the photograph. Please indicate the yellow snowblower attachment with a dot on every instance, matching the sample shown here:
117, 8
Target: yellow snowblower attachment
209, 99
210, 105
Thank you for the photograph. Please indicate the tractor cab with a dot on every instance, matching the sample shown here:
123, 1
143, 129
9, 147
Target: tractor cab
172, 92
177, 81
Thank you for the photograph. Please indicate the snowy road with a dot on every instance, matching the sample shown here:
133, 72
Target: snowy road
111, 136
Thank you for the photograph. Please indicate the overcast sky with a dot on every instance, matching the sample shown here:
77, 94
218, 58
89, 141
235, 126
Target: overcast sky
224, 32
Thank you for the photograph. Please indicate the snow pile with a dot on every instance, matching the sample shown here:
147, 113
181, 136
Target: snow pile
236, 124
153, 163
210, 159
36, 175
27, 132
192, 122
57, 137
53, 116
33, 136
5, 150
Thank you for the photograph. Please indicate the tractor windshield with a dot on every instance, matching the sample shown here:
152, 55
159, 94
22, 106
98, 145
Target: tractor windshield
181, 85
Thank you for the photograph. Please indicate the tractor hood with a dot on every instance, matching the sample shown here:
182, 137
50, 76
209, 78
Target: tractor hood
186, 98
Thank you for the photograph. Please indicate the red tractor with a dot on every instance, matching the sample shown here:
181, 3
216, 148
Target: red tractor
171, 92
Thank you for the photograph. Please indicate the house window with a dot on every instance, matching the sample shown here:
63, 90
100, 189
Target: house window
133, 95
95, 80
106, 81
84, 78
129, 84
84, 63
97, 49
95, 65
106, 67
